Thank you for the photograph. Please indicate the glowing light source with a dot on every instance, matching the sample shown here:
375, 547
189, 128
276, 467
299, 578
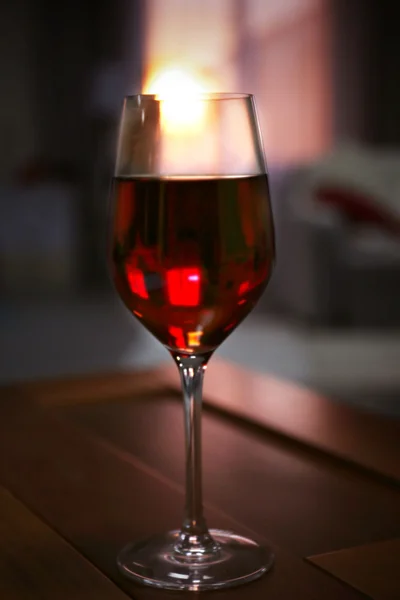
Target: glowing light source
182, 110
175, 81
194, 338
188, 140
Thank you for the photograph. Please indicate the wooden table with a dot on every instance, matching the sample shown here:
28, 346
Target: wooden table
89, 464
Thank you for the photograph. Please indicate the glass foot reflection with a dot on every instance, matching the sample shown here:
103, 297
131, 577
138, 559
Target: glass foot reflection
154, 562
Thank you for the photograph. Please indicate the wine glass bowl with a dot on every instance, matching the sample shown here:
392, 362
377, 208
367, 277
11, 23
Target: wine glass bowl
192, 250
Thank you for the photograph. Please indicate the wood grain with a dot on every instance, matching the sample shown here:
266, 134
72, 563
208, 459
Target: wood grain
373, 569
368, 440
305, 502
98, 500
94, 388
36, 563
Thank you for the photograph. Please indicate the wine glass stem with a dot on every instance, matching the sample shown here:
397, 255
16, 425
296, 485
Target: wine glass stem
194, 539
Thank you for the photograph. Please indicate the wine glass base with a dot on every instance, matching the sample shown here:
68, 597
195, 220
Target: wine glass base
153, 562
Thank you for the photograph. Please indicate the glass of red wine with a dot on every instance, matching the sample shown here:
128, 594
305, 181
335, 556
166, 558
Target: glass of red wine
192, 250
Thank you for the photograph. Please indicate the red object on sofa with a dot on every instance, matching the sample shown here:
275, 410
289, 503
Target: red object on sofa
359, 208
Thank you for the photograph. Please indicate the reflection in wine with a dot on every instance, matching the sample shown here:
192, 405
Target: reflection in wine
191, 256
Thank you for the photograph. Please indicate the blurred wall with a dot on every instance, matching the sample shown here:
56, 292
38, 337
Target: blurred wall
65, 69
366, 58
352, 63
285, 59
17, 115
384, 81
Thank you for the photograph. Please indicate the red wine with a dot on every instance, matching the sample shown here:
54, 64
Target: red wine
191, 257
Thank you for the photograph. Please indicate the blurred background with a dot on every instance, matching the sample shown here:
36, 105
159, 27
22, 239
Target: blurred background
325, 77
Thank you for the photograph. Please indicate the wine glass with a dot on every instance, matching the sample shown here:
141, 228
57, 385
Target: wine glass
192, 249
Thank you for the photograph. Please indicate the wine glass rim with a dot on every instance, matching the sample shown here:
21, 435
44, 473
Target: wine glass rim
200, 95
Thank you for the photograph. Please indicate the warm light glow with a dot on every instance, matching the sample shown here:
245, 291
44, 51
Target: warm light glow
194, 338
172, 80
181, 108
188, 134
